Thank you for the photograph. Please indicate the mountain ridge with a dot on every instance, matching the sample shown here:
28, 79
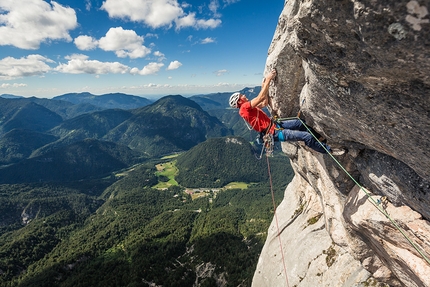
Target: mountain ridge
106, 101
178, 123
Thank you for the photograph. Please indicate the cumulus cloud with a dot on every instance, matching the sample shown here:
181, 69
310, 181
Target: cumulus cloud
27, 23
157, 13
191, 21
32, 65
86, 43
154, 13
205, 24
151, 68
80, 64
186, 21
174, 65
207, 40
125, 43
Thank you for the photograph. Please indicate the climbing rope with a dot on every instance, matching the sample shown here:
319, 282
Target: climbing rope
371, 199
276, 219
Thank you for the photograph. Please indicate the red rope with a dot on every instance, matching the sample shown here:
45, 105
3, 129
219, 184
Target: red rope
276, 219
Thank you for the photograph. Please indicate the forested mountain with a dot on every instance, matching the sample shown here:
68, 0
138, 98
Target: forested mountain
18, 144
81, 160
106, 101
171, 124
65, 109
231, 119
219, 161
92, 125
15, 114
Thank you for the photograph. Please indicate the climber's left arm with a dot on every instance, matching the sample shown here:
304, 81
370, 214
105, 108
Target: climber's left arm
263, 97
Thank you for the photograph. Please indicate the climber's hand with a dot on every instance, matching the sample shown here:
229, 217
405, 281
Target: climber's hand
272, 75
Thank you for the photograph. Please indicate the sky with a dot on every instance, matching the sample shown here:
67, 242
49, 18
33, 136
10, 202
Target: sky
147, 48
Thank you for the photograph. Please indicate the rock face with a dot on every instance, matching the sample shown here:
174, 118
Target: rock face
359, 72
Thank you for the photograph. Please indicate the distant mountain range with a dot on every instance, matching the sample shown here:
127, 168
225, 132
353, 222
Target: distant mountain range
123, 101
107, 101
218, 101
8, 96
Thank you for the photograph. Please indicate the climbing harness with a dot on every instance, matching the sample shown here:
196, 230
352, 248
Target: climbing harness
264, 138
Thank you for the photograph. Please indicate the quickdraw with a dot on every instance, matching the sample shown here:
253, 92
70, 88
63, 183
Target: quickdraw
269, 144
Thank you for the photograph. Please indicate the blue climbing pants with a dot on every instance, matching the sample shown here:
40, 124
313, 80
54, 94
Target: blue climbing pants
294, 130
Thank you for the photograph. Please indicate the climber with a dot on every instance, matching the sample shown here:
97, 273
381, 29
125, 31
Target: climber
289, 130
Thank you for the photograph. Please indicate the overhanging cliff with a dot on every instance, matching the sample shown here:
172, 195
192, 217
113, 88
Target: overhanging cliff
359, 71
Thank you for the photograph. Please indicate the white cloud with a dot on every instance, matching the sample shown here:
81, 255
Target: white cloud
191, 21
79, 64
154, 13
14, 85
86, 43
213, 6
32, 65
205, 24
161, 56
151, 68
125, 43
88, 5
186, 21
76, 56
149, 35
228, 2
220, 72
207, 41
174, 65
157, 13
28, 23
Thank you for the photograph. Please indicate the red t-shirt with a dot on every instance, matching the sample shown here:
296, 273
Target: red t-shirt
255, 117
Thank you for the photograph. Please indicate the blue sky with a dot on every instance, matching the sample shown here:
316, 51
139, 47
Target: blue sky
138, 47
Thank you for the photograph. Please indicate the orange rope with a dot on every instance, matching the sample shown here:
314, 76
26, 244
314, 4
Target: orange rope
276, 219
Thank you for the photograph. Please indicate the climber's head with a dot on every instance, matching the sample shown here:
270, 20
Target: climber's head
236, 100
